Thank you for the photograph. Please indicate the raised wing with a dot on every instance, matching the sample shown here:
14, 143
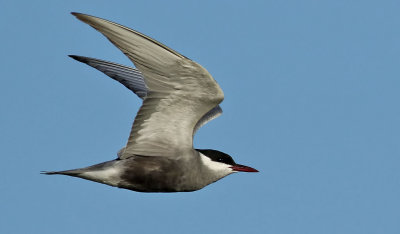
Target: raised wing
180, 92
128, 76
132, 79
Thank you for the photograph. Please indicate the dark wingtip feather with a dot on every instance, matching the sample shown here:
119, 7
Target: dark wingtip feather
83, 17
75, 13
79, 58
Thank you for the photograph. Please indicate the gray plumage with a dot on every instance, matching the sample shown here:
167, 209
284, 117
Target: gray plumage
179, 96
133, 79
130, 77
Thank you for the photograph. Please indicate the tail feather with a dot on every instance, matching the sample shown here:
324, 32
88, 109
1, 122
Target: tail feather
75, 172
49, 172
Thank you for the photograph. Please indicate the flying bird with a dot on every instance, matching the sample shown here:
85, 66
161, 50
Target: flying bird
179, 96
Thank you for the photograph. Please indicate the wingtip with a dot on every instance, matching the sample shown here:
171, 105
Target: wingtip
76, 13
78, 58
81, 16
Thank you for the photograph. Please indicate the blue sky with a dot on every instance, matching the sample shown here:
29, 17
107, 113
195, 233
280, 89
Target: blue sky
311, 100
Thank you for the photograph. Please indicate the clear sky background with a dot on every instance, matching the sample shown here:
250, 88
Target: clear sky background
312, 92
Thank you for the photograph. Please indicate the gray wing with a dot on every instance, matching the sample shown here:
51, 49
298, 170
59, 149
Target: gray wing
180, 92
132, 79
212, 114
128, 76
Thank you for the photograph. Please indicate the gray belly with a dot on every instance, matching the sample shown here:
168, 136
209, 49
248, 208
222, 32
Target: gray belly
156, 174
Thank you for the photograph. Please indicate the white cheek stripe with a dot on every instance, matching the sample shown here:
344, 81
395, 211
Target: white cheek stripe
215, 166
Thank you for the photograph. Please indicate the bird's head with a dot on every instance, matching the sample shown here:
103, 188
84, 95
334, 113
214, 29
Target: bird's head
221, 162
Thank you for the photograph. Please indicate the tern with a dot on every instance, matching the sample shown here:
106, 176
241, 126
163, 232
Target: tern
179, 96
